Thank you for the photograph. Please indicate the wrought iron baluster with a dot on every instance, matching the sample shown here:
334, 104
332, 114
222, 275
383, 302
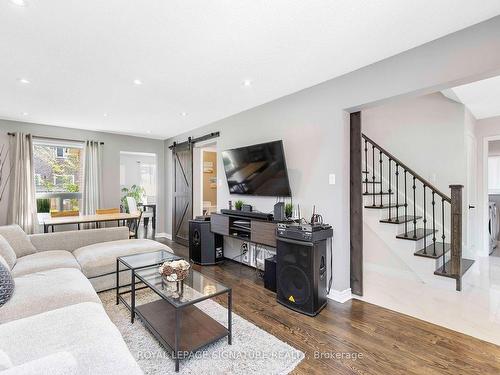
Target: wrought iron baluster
390, 190
433, 223
406, 207
366, 166
380, 162
414, 209
425, 223
373, 174
397, 190
443, 236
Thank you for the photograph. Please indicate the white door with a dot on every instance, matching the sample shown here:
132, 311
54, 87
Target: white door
470, 199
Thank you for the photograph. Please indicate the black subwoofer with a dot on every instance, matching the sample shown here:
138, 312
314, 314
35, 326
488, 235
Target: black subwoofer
301, 275
205, 247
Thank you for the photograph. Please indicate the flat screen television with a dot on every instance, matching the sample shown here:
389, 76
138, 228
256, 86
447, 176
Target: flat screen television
257, 170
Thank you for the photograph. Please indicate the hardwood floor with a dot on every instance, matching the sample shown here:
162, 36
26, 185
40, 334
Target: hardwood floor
385, 342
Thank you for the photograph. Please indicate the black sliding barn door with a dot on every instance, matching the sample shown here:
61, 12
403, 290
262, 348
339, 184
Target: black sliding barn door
182, 205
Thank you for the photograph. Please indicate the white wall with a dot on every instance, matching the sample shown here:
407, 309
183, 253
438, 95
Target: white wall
130, 170
314, 126
113, 144
426, 133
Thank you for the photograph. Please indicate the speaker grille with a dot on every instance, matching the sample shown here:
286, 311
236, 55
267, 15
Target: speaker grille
294, 285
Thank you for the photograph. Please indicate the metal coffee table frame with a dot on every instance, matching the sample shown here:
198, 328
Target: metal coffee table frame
163, 319
133, 269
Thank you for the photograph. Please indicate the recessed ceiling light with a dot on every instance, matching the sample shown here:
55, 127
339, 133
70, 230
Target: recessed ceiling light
137, 82
247, 83
24, 80
148, 131
19, 3
105, 115
25, 113
184, 114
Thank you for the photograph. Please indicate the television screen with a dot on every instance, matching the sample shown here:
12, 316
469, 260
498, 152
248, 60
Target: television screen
257, 170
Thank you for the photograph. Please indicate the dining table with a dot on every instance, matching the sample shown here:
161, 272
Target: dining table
122, 217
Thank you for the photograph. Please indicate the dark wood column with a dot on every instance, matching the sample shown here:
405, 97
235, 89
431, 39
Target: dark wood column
356, 205
456, 234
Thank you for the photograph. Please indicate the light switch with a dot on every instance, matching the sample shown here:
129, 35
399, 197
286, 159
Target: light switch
331, 179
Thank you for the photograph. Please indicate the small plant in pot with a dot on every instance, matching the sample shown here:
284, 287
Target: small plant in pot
288, 210
238, 204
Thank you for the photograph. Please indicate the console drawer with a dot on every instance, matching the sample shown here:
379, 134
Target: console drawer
263, 233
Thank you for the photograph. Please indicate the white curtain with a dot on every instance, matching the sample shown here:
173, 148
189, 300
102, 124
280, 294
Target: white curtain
92, 184
22, 204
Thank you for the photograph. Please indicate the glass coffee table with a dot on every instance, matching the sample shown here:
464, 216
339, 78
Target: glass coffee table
174, 319
136, 262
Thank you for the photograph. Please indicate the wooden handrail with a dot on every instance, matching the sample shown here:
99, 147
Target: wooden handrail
406, 168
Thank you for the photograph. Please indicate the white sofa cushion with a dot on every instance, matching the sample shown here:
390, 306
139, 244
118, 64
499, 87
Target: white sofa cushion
7, 252
100, 259
45, 260
62, 363
18, 239
5, 361
74, 239
84, 330
4, 262
48, 290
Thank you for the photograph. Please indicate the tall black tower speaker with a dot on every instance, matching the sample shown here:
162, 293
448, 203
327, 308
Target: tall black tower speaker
301, 275
205, 247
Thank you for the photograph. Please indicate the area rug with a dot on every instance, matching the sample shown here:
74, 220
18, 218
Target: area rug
253, 350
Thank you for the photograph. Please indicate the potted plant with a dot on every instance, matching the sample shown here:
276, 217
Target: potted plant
288, 210
135, 192
238, 204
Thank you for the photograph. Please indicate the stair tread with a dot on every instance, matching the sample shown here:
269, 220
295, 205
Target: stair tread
429, 250
400, 219
371, 182
384, 206
419, 234
466, 264
383, 193
365, 172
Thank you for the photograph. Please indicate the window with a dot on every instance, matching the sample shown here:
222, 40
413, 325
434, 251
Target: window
494, 174
58, 175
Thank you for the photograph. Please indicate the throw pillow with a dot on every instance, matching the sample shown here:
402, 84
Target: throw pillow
7, 252
5, 361
6, 284
18, 239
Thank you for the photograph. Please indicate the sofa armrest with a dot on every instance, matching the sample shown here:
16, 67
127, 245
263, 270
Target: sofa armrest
62, 363
75, 239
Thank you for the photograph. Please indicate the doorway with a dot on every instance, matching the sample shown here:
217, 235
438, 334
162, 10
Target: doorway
205, 179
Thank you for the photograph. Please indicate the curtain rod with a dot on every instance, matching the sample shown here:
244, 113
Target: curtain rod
56, 139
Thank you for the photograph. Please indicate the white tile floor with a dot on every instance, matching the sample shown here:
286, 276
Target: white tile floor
475, 311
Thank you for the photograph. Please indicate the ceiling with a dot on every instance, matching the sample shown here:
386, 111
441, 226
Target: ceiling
192, 57
481, 97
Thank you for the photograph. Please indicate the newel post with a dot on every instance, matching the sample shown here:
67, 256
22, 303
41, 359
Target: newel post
456, 233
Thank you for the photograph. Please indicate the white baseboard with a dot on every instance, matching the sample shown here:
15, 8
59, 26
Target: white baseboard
340, 295
168, 236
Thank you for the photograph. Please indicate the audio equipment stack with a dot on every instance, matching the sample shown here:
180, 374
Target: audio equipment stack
301, 266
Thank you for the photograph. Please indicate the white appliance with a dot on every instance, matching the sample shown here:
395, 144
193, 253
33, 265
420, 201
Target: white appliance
493, 225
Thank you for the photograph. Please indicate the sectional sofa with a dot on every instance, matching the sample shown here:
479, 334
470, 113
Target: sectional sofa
54, 322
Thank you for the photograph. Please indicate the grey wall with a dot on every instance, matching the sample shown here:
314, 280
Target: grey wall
313, 122
113, 144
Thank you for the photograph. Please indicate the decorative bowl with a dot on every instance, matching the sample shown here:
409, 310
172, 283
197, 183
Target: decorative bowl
176, 270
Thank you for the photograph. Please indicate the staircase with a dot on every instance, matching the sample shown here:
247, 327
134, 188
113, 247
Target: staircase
415, 217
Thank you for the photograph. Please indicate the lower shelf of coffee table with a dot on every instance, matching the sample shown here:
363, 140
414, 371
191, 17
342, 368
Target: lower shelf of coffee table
197, 329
